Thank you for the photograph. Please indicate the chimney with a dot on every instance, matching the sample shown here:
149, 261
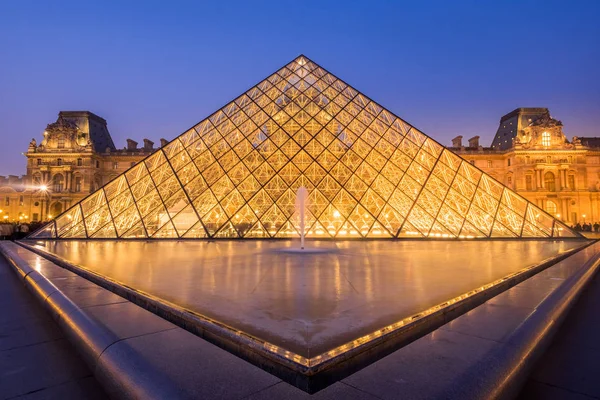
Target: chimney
457, 141
148, 145
163, 142
474, 141
131, 144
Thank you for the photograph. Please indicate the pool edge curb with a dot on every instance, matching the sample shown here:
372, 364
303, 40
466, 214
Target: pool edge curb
121, 378
314, 380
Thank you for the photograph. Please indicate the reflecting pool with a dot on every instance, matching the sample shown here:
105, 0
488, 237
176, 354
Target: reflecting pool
307, 303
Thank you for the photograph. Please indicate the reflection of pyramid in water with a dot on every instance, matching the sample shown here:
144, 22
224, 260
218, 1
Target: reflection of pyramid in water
369, 174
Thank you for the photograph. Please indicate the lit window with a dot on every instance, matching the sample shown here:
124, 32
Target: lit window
58, 183
551, 207
115, 165
20, 200
546, 139
489, 164
7, 201
549, 180
78, 184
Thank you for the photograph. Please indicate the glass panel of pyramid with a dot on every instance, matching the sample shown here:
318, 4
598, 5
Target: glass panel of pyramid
369, 174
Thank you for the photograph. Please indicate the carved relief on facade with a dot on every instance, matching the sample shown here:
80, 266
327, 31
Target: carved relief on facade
543, 133
62, 134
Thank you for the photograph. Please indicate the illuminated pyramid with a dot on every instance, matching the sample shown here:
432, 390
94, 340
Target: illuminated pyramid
368, 173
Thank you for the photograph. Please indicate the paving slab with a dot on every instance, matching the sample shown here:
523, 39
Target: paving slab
36, 367
80, 389
571, 366
194, 368
284, 391
36, 361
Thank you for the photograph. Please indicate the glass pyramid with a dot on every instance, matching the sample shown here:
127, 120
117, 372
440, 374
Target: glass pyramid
368, 173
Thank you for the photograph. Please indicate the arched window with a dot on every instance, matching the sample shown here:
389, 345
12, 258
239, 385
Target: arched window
549, 181
58, 183
546, 139
551, 207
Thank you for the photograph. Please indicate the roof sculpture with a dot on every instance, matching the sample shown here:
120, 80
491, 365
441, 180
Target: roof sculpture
368, 173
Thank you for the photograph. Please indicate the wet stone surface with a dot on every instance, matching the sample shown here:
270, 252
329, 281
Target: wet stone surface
312, 302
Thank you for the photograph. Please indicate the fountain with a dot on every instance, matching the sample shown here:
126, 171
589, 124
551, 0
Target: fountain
301, 196
301, 205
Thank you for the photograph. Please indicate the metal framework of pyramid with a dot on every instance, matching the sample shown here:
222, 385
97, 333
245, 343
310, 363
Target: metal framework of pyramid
368, 174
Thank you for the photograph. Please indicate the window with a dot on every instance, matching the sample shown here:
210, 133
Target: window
39, 161
509, 162
132, 164
20, 200
115, 165
570, 159
472, 162
37, 179
78, 184
489, 164
528, 182
36, 216
549, 159
58, 183
7, 201
59, 161
97, 164
546, 139
509, 180
549, 181
37, 204
551, 207
571, 182
79, 162
61, 142
527, 160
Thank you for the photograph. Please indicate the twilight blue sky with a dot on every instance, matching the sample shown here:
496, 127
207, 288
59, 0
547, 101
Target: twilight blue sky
154, 68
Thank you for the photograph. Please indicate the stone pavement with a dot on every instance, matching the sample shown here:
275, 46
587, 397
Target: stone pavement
570, 368
36, 360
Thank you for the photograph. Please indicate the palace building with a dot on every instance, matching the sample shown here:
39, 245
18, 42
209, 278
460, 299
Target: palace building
531, 154
370, 174
75, 157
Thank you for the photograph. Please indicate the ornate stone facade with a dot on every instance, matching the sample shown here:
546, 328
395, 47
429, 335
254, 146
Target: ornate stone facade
75, 157
531, 155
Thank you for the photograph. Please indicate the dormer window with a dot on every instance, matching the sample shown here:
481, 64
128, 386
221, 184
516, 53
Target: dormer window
546, 139
61, 142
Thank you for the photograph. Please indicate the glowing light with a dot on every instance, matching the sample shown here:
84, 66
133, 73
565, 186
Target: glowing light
263, 199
